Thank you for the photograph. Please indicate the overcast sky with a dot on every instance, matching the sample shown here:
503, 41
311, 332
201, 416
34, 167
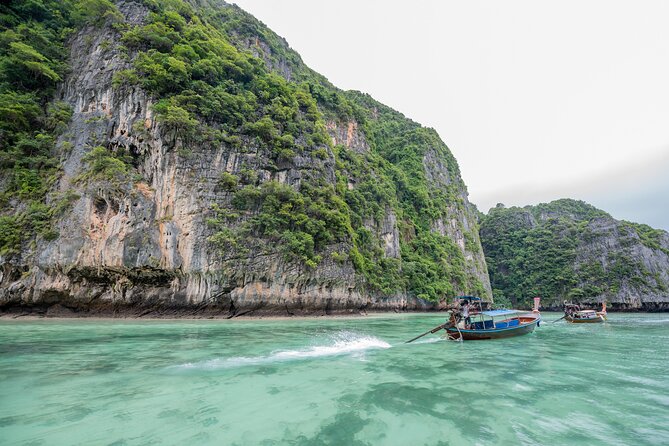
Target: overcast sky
537, 100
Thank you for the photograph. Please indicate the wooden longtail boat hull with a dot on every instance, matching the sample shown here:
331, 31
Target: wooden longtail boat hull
594, 320
527, 326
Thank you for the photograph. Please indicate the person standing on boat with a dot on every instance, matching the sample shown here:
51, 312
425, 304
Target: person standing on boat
465, 313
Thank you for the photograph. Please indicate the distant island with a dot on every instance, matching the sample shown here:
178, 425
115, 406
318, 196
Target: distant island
570, 250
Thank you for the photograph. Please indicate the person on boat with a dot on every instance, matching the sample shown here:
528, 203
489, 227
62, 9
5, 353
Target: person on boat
456, 314
452, 320
465, 313
571, 310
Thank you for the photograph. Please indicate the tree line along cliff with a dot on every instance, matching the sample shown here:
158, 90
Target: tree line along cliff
178, 155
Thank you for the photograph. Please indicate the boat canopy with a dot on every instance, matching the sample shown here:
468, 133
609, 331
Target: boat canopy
493, 313
468, 297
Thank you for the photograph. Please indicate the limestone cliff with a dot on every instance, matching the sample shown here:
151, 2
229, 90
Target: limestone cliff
179, 205
569, 250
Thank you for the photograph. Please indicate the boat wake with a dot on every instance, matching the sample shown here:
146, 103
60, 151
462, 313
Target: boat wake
343, 343
429, 340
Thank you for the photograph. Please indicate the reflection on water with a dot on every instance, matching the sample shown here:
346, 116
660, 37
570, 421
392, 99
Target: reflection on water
332, 381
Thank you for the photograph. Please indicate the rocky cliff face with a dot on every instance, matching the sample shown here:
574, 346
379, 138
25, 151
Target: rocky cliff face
568, 250
166, 234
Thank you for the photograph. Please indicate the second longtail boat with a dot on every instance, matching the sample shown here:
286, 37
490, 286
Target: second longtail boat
574, 314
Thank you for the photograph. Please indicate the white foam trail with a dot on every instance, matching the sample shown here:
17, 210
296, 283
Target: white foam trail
344, 343
429, 340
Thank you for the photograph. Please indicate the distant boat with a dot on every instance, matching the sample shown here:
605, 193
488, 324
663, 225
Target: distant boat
495, 324
574, 314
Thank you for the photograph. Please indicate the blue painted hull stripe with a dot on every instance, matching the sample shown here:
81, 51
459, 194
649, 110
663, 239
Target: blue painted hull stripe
494, 330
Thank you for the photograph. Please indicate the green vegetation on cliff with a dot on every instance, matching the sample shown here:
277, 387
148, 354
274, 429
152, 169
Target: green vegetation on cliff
402, 151
565, 249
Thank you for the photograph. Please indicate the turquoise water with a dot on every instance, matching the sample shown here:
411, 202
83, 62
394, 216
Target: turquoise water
332, 381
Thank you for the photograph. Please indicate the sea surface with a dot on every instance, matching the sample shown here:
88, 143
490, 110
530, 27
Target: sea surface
341, 381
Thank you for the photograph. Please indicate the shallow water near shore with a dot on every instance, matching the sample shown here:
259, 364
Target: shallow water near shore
344, 381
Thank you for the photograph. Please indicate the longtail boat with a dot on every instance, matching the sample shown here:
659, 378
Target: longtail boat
573, 314
495, 324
